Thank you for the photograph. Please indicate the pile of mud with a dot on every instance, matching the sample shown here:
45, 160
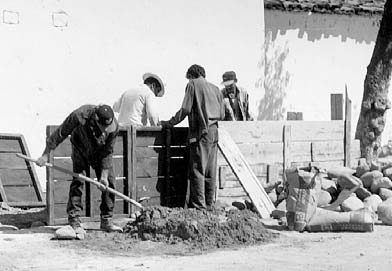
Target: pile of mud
199, 229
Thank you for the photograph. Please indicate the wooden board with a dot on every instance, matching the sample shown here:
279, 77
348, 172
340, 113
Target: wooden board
245, 175
18, 178
328, 150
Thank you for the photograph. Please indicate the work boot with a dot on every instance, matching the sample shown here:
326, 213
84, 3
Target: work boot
77, 227
108, 226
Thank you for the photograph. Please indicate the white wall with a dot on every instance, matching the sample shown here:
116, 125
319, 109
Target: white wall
47, 71
325, 53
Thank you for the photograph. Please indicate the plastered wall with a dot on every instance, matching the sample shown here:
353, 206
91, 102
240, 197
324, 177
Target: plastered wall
309, 56
58, 54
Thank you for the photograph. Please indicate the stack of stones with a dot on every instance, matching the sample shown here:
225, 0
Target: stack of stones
374, 192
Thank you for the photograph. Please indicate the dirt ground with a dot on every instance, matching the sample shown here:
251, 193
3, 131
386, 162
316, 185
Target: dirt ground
33, 249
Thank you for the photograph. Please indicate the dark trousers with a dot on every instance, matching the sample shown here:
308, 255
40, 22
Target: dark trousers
202, 171
74, 206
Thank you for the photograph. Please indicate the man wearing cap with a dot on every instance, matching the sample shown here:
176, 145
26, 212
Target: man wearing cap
136, 106
93, 131
235, 99
203, 106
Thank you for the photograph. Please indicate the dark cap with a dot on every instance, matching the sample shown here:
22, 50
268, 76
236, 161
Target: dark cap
105, 115
229, 78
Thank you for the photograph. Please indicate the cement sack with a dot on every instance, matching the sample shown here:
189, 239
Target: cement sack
65, 233
329, 221
303, 186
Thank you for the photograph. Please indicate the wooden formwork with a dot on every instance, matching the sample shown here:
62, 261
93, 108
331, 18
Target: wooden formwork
272, 146
151, 162
19, 185
148, 162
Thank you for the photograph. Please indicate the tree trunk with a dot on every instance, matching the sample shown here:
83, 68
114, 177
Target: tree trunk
375, 101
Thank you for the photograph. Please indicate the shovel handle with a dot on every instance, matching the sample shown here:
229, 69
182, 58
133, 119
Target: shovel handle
84, 178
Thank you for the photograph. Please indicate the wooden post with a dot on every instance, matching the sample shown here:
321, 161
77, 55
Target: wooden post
294, 116
50, 184
131, 163
167, 187
337, 106
286, 147
347, 131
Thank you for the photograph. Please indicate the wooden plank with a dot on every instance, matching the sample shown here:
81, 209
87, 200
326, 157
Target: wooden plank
50, 185
11, 161
317, 130
256, 153
149, 138
254, 131
15, 177
66, 162
242, 170
347, 131
20, 193
61, 191
300, 151
232, 192
286, 146
65, 148
179, 136
166, 191
3, 196
336, 106
149, 167
294, 116
355, 149
147, 187
10, 144
132, 163
327, 151
328, 164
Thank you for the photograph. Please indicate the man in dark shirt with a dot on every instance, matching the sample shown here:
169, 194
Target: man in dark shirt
93, 131
235, 99
203, 106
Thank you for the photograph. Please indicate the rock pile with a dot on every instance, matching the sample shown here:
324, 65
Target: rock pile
374, 192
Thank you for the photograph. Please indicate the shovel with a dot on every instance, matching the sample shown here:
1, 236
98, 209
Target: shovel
86, 179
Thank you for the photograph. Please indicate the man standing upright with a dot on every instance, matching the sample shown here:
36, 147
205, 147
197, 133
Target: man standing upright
136, 106
93, 131
203, 106
236, 99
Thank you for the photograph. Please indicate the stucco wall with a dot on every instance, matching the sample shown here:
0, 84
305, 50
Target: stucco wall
316, 55
95, 49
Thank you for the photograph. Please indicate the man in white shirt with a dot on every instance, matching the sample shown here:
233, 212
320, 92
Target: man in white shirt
136, 106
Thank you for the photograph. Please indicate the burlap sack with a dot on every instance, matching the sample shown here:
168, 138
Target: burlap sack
302, 185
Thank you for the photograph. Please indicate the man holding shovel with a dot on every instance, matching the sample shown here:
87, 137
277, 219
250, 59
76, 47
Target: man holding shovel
93, 131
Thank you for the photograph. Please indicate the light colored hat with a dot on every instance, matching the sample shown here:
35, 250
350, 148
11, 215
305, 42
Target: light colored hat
152, 75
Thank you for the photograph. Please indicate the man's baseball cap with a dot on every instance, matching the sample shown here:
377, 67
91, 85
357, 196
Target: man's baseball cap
105, 116
152, 75
229, 78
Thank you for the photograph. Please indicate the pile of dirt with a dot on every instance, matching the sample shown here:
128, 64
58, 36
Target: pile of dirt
199, 229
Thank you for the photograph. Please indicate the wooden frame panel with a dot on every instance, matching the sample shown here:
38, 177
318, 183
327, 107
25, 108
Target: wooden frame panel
18, 178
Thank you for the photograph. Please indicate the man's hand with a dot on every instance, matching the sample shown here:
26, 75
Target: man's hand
41, 161
104, 179
165, 124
